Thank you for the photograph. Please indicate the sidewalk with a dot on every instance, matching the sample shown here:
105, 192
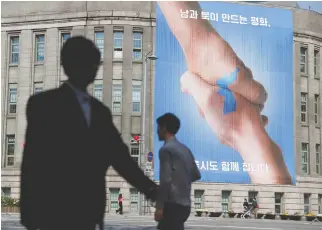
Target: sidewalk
113, 215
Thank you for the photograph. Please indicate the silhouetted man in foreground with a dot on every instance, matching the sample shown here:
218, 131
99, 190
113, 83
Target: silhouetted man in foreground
177, 171
70, 143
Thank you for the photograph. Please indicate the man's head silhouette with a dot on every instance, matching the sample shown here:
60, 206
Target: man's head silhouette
80, 59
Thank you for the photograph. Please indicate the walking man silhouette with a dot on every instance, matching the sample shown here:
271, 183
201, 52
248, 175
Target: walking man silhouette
178, 170
70, 143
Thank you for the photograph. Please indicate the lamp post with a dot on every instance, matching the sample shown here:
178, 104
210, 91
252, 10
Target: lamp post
147, 57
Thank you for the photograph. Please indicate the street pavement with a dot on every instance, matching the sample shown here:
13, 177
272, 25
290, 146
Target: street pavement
113, 222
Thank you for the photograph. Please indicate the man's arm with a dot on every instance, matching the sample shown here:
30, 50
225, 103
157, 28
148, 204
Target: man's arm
123, 163
30, 173
195, 173
165, 177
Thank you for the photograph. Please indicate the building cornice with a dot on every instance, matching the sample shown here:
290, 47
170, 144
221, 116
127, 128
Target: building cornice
67, 17
308, 35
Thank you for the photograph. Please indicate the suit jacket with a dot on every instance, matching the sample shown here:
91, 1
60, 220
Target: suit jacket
178, 170
65, 162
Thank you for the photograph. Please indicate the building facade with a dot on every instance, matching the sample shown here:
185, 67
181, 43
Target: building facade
32, 35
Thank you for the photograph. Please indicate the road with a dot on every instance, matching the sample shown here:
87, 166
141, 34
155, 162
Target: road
11, 222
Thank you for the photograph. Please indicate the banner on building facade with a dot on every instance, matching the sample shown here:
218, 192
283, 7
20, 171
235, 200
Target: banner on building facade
226, 70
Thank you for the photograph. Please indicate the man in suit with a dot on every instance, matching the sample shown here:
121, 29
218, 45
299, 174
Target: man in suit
70, 143
177, 171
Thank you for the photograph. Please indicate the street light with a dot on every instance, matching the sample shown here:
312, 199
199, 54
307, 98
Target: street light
147, 57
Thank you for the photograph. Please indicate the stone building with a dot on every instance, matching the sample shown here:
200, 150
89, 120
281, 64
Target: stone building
32, 35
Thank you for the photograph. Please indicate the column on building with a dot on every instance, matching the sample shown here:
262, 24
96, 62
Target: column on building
24, 89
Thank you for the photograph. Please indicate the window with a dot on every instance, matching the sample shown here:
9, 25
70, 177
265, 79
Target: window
317, 158
134, 194
99, 41
10, 150
64, 37
118, 44
136, 96
320, 203
199, 195
12, 99
135, 152
316, 108
5, 191
303, 107
303, 60
279, 208
137, 46
307, 201
114, 193
38, 87
251, 196
98, 91
14, 50
316, 63
225, 195
40, 48
117, 96
304, 158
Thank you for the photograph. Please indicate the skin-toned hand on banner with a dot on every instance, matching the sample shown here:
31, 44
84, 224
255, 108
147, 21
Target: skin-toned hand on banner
242, 129
234, 114
207, 54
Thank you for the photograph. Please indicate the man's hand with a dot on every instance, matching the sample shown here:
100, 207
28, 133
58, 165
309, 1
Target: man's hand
153, 192
207, 54
241, 128
229, 127
158, 215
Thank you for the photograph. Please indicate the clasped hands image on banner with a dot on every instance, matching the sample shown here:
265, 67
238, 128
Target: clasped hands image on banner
226, 70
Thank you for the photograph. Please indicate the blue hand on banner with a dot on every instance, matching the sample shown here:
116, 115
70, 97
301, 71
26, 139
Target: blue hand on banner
229, 100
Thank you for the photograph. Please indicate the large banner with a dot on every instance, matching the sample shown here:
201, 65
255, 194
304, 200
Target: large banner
225, 69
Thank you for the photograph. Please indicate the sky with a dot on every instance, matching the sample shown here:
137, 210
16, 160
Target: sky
315, 5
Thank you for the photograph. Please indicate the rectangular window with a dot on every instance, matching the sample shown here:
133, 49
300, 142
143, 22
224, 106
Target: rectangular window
135, 152
38, 87
12, 105
114, 193
64, 37
137, 46
40, 47
225, 199
279, 207
6, 191
316, 63
117, 96
118, 44
320, 203
303, 60
98, 91
134, 197
251, 196
136, 96
316, 108
307, 203
305, 158
317, 159
10, 150
99, 41
14, 49
199, 199
303, 107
